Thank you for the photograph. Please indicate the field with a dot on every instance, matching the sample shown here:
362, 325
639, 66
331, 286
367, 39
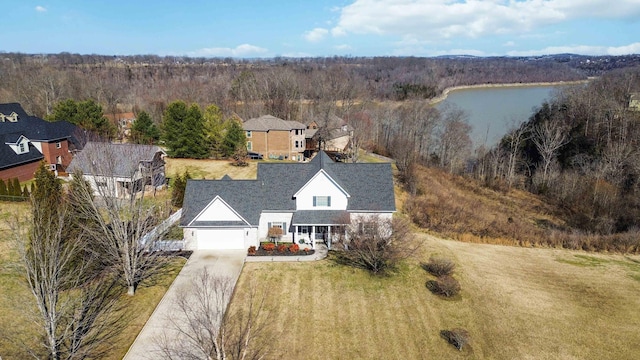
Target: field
16, 302
516, 303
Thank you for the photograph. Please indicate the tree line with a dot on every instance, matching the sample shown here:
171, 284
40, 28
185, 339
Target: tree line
580, 151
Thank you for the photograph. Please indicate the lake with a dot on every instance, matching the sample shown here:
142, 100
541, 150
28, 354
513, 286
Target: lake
493, 111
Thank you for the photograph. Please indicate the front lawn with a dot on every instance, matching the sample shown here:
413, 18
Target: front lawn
516, 303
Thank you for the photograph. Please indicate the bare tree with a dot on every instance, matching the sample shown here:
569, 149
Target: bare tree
549, 137
119, 218
203, 328
515, 139
377, 244
77, 309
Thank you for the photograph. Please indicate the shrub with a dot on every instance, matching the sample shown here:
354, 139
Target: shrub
306, 250
439, 266
269, 247
294, 248
252, 250
282, 248
445, 285
457, 337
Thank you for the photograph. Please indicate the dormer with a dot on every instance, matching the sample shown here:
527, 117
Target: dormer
321, 192
13, 117
20, 146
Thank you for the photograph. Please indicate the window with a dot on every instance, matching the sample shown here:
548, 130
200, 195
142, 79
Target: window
248, 133
58, 145
279, 225
101, 183
22, 148
297, 143
249, 145
321, 201
59, 159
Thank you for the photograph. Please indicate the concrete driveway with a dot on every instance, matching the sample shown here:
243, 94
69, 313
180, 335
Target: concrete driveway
218, 262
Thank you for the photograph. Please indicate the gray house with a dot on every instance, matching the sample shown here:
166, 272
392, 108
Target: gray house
307, 202
120, 169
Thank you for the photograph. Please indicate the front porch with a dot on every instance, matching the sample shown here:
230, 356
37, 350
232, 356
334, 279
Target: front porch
312, 235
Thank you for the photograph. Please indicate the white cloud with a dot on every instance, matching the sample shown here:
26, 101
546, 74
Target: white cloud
509, 44
316, 34
442, 19
239, 51
633, 48
343, 47
41, 8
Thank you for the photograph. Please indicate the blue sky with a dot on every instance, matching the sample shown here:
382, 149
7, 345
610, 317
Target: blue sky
254, 28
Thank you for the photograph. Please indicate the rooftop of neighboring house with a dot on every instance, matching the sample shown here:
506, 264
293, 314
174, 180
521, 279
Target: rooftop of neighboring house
269, 122
32, 128
334, 126
369, 185
108, 159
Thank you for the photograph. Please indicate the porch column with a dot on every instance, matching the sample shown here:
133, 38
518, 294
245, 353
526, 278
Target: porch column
329, 237
313, 237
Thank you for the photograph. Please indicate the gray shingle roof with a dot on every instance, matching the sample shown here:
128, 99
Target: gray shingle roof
125, 158
369, 185
269, 122
244, 196
318, 217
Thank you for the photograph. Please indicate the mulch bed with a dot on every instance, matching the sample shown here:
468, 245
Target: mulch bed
263, 252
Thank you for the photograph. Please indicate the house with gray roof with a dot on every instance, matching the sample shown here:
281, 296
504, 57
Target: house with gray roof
309, 202
275, 138
119, 170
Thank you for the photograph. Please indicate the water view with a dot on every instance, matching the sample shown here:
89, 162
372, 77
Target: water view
493, 111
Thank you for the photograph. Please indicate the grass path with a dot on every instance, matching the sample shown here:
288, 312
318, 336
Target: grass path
517, 303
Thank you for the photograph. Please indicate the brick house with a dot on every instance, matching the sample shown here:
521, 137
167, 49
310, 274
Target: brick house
275, 138
26, 140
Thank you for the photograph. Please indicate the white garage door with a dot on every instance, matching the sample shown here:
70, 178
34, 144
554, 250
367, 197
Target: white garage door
221, 239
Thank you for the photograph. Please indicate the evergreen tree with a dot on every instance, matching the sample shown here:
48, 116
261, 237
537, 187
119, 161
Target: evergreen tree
47, 195
183, 128
179, 187
214, 127
17, 189
3, 188
25, 192
143, 130
86, 114
10, 187
234, 138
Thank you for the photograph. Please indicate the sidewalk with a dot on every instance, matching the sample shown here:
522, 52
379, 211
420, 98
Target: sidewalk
319, 254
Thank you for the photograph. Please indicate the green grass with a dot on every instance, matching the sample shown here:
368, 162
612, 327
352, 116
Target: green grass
516, 303
631, 265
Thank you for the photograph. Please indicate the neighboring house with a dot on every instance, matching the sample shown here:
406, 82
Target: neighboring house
26, 140
275, 138
310, 202
123, 121
334, 134
120, 169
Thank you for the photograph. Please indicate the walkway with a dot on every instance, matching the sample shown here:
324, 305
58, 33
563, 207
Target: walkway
219, 262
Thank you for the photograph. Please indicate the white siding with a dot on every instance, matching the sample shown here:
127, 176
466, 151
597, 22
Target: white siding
267, 218
321, 185
217, 210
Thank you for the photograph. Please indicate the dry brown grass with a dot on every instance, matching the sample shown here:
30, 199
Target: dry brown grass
516, 303
210, 169
460, 208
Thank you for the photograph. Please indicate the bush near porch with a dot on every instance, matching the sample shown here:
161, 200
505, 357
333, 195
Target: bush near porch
271, 249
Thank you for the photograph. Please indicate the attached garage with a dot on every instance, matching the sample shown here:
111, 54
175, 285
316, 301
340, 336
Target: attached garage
221, 239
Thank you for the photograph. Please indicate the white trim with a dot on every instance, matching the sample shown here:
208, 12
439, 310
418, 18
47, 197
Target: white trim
328, 177
225, 204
